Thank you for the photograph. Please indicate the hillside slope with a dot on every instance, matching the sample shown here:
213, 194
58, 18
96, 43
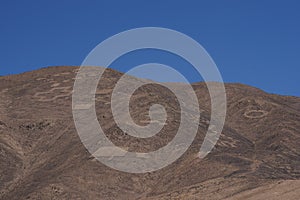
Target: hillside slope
42, 157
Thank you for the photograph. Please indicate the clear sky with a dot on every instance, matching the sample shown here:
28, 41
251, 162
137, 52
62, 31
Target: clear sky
253, 42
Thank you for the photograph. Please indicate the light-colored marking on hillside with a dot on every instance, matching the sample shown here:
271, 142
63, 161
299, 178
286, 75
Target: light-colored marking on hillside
63, 92
263, 113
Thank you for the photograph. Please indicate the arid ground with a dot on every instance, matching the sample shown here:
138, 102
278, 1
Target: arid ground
42, 157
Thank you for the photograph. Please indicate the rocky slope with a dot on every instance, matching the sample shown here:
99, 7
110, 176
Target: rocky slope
42, 157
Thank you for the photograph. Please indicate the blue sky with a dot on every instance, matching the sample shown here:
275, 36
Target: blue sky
253, 42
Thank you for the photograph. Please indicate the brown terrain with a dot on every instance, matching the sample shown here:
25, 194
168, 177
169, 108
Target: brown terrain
42, 157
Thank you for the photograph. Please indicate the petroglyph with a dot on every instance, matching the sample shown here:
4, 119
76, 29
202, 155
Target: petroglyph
49, 80
55, 88
40, 79
63, 92
227, 141
255, 114
100, 99
55, 84
66, 91
58, 89
62, 74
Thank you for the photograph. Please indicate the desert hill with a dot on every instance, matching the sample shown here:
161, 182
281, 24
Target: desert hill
42, 157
